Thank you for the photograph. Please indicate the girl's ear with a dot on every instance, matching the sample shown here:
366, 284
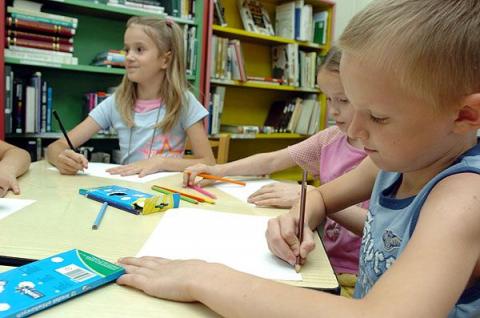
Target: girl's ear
468, 115
165, 59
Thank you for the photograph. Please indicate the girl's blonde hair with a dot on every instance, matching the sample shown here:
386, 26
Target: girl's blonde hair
431, 46
168, 37
331, 62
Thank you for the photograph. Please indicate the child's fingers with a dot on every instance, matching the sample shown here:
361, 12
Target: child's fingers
14, 186
3, 192
205, 182
134, 280
308, 243
255, 199
276, 242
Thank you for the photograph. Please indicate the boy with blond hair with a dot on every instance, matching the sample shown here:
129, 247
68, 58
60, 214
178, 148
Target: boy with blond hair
410, 70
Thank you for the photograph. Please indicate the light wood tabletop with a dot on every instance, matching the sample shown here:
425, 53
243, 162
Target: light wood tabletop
61, 219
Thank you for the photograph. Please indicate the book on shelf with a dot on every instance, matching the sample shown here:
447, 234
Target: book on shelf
265, 80
148, 6
320, 27
52, 46
40, 27
38, 37
239, 129
219, 13
26, 53
307, 67
217, 98
285, 63
27, 5
36, 18
37, 13
117, 57
285, 20
254, 17
227, 59
308, 111
8, 109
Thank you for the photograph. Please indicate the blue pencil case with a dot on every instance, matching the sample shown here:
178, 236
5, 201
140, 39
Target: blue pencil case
132, 200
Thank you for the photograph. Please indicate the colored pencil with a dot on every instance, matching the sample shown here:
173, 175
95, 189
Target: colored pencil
202, 191
222, 179
182, 197
198, 198
301, 219
100, 215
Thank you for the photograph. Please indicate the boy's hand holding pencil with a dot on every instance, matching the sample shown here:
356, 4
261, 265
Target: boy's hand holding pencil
288, 236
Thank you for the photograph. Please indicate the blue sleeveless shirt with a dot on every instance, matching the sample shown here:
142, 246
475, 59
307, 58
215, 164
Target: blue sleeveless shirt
391, 222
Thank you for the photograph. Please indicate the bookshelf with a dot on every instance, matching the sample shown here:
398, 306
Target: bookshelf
249, 103
100, 27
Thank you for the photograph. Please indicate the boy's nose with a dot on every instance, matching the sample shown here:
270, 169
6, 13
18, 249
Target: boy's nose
357, 129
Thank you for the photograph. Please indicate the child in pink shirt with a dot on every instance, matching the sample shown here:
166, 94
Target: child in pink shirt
326, 155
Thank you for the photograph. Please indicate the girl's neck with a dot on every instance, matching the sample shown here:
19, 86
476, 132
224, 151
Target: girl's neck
149, 91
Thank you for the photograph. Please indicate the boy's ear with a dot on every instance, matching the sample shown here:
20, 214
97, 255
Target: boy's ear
468, 115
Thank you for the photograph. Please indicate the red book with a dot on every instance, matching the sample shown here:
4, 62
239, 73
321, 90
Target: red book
62, 47
38, 37
40, 27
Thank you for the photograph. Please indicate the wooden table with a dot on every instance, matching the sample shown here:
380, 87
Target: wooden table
61, 219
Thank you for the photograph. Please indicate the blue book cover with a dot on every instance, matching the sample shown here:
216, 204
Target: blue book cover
36, 286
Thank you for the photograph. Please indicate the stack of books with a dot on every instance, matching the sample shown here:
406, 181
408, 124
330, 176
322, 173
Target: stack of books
110, 58
36, 35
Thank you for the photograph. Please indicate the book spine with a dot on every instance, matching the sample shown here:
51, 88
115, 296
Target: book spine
40, 45
49, 108
42, 14
40, 27
8, 98
43, 20
38, 37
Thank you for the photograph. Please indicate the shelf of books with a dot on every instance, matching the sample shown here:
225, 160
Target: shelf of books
263, 62
67, 55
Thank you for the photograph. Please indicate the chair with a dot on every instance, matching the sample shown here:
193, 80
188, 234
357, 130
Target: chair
219, 144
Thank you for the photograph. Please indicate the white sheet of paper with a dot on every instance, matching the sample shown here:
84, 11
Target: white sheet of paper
243, 192
9, 206
97, 169
235, 240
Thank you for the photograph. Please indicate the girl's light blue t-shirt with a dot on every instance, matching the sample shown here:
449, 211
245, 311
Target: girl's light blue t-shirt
136, 143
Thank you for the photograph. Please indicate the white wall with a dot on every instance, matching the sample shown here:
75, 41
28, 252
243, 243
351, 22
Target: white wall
344, 11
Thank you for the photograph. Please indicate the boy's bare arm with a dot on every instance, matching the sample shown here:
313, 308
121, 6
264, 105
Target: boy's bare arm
13, 159
352, 218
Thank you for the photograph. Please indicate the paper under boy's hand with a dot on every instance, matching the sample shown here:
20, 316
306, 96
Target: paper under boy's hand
283, 242
69, 162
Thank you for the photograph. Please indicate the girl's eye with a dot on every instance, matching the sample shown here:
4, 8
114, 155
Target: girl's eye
344, 101
329, 99
139, 49
377, 119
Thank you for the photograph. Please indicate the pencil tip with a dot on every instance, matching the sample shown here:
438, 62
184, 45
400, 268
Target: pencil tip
298, 267
94, 227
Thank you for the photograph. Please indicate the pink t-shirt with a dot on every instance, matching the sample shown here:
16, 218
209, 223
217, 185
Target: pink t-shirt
328, 155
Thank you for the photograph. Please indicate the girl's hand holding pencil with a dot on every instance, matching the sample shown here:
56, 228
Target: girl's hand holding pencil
70, 162
191, 173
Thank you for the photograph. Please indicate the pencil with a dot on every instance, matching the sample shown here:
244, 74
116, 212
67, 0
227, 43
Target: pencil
100, 215
208, 176
301, 219
202, 191
182, 197
198, 198
63, 130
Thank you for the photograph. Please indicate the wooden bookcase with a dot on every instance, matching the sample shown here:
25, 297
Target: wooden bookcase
100, 27
248, 103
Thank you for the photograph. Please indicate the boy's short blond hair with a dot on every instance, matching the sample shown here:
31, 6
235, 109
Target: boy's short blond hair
431, 46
